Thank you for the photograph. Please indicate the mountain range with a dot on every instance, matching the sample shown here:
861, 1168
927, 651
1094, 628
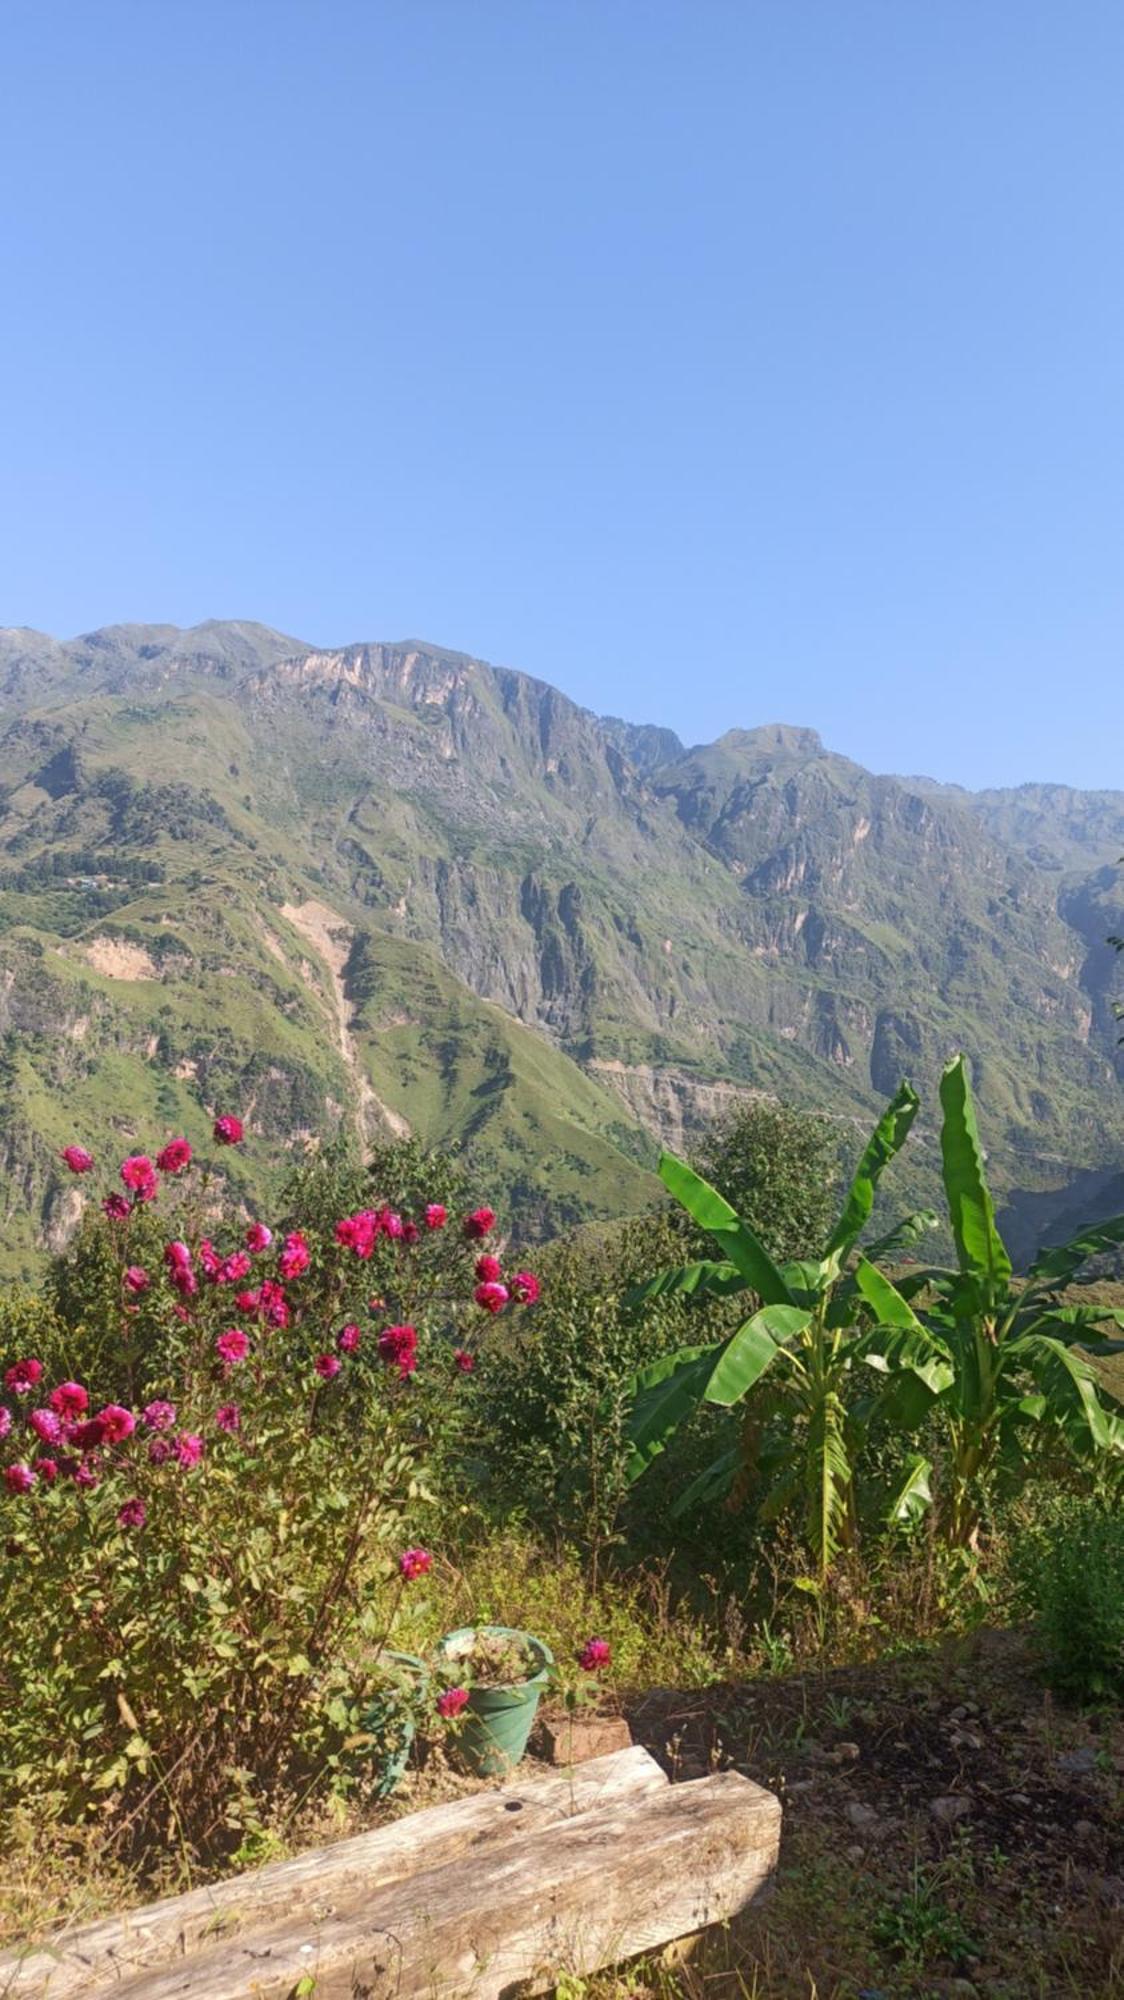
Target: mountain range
392, 888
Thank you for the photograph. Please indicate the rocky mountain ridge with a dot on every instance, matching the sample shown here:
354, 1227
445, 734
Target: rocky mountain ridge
555, 938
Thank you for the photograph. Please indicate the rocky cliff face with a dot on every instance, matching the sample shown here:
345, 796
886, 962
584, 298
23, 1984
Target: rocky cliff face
566, 936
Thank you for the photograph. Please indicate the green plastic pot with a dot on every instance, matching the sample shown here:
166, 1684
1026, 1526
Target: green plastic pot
390, 1719
497, 1721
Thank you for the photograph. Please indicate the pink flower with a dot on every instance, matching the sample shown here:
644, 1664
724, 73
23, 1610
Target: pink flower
392, 1223
117, 1423
159, 1416
398, 1347
436, 1215
86, 1475
248, 1304
488, 1269
19, 1478
410, 1232
136, 1279
295, 1257
414, 1562
89, 1435
594, 1655
451, 1702
492, 1298
479, 1223
46, 1425
228, 1417
77, 1159
70, 1399
210, 1259
465, 1361
524, 1287
46, 1470
258, 1237
234, 1268
133, 1514
232, 1346
273, 1304
177, 1260
189, 1449
160, 1451
348, 1338
327, 1365
116, 1207
358, 1232
139, 1174
228, 1130
174, 1157
22, 1376
5, 1420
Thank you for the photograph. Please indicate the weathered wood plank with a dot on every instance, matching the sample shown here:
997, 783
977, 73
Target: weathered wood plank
622, 1879
313, 1885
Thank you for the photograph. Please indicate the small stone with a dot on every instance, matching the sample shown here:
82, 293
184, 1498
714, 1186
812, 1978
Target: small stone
1084, 1829
574, 1739
844, 1753
950, 1808
860, 1816
855, 1853
957, 1714
1078, 1763
801, 1785
1019, 1799
687, 1767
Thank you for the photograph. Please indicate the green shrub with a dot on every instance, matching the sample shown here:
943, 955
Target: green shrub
550, 1407
213, 1452
780, 1168
1071, 1568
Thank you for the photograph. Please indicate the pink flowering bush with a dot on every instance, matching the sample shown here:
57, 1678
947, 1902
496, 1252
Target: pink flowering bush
215, 1435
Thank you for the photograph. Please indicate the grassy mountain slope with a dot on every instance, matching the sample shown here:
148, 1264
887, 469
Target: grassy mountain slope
391, 883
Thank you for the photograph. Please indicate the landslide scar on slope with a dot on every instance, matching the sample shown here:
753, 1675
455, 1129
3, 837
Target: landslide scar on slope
330, 937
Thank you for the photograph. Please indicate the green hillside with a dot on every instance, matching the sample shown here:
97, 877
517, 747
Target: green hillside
394, 887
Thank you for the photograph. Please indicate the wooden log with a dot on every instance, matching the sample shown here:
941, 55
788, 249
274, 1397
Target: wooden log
621, 1879
309, 1888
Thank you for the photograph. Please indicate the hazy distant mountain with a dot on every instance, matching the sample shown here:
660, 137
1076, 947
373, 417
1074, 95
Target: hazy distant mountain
391, 884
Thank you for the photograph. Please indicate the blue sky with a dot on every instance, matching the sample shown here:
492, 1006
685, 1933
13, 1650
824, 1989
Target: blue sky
721, 362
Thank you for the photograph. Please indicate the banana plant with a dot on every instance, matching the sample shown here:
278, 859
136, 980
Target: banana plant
801, 1334
993, 1358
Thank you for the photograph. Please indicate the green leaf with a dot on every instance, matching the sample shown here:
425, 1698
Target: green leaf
1070, 1386
810, 1277
913, 1493
884, 1298
979, 1246
1062, 1263
887, 1138
897, 1351
909, 1230
751, 1350
664, 1394
704, 1278
827, 1477
709, 1484
1076, 1323
737, 1242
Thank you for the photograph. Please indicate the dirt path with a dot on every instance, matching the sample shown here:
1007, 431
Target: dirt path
330, 937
